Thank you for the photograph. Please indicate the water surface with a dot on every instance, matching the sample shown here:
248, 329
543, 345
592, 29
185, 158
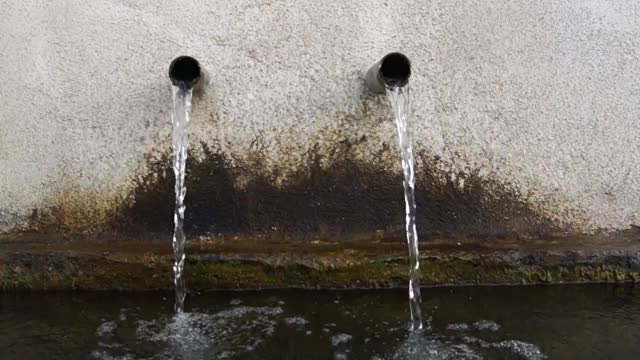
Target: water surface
556, 322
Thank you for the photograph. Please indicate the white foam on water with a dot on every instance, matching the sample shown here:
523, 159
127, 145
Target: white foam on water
340, 339
296, 321
458, 327
103, 355
106, 329
225, 334
514, 347
486, 325
417, 346
108, 348
240, 330
521, 348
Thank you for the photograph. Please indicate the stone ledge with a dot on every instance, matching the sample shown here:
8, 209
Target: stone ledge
34, 264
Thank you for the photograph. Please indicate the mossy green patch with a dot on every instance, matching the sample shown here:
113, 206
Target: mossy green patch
76, 272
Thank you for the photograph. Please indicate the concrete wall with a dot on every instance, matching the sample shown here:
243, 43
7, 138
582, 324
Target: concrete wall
529, 108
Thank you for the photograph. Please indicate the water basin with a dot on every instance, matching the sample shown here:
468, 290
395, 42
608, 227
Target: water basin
499, 322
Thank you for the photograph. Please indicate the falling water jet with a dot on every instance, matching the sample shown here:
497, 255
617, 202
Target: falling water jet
186, 75
391, 75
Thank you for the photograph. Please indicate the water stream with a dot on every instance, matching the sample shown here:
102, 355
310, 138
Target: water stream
399, 98
180, 119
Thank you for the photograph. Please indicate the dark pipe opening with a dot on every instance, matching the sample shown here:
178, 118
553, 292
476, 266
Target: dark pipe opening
395, 69
185, 71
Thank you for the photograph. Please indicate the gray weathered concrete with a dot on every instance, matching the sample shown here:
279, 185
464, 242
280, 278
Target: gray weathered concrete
543, 96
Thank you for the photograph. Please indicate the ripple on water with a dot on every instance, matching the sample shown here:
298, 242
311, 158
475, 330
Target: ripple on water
223, 334
521, 348
106, 329
481, 325
418, 346
513, 347
104, 355
297, 321
242, 329
458, 327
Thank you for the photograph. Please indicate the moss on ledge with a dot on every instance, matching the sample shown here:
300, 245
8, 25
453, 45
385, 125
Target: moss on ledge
68, 267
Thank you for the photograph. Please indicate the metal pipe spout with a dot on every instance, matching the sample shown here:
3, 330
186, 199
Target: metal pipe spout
393, 70
185, 71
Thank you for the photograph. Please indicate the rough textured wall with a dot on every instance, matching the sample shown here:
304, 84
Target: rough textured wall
525, 113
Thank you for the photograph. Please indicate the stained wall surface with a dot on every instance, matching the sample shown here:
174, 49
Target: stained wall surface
526, 115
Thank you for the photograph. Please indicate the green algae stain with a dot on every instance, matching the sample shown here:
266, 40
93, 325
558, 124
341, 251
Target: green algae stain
75, 211
62, 272
312, 198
